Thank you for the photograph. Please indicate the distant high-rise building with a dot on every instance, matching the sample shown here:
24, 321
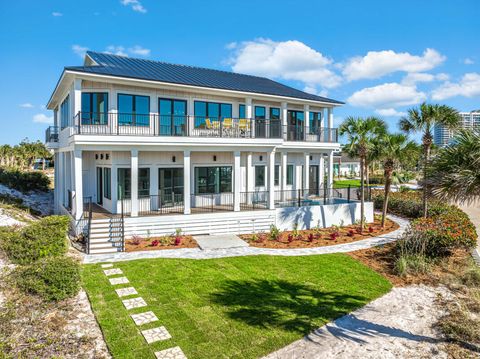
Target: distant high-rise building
470, 120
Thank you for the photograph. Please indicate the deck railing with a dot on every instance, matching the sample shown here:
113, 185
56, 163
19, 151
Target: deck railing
211, 202
51, 134
131, 124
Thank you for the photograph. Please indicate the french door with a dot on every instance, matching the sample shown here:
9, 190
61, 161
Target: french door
170, 185
173, 117
100, 185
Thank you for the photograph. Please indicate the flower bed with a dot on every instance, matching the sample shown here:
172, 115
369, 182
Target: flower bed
137, 243
317, 237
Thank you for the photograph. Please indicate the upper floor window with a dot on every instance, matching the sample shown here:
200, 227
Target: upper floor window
208, 112
133, 110
94, 108
274, 113
315, 121
65, 112
260, 112
241, 111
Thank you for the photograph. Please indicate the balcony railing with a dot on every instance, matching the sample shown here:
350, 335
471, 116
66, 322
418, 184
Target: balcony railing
131, 124
51, 134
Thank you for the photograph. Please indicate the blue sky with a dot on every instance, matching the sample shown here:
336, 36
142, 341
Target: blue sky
380, 57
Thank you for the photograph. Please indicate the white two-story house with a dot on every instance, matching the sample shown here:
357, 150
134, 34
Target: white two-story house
166, 146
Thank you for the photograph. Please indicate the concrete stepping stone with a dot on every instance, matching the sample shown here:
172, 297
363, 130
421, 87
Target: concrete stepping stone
156, 334
107, 265
144, 318
134, 303
171, 353
113, 271
118, 280
123, 292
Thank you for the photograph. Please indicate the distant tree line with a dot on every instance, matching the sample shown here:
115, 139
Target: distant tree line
23, 155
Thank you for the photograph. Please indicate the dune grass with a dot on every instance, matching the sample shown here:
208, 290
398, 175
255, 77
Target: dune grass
242, 307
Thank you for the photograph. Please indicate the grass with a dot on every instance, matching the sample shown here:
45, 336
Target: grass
242, 307
346, 183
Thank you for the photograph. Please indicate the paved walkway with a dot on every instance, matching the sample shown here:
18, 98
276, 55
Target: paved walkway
220, 241
197, 253
473, 211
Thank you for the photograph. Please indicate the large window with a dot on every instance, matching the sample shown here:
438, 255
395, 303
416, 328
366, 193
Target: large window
260, 112
241, 111
289, 174
213, 179
172, 116
65, 112
259, 176
277, 175
143, 182
274, 113
314, 121
211, 111
133, 110
94, 108
124, 184
107, 183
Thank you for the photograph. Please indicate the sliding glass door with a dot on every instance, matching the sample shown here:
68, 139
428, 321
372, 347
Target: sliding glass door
173, 117
296, 126
170, 185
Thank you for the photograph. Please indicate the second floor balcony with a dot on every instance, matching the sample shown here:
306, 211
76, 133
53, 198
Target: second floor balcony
131, 124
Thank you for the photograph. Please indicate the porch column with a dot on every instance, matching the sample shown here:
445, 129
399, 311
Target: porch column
114, 179
191, 116
250, 173
186, 182
306, 171
284, 120
321, 171
249, 115
330, 170
283, 179
236, 182
78, 186
77, 97
134, 182
271, 179
330, 124
306, 109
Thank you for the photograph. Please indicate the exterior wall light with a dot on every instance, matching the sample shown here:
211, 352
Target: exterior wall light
173, 159
214, 158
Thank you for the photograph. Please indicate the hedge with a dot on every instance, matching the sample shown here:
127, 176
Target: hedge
24, 181
53, 278
43, 238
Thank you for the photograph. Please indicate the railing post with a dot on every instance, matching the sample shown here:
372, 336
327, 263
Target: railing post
299, 197
220, 126
348, 194
324, 192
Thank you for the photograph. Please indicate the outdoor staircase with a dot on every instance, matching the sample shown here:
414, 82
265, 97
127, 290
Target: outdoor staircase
106, 235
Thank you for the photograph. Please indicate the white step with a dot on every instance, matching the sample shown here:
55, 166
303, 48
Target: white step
103, 250
100, 240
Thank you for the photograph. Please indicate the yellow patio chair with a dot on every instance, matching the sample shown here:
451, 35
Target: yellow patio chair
243, 124
208, 124
227, 123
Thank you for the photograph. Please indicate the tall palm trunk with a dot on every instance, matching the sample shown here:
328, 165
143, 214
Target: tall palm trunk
362, 193
388, 182
427, 144
367, 178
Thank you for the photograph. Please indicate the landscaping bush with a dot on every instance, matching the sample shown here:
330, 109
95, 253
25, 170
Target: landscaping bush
52, 278
46, 237
24, 181
376, 180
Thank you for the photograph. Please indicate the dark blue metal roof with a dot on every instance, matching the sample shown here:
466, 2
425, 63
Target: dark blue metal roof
121, 66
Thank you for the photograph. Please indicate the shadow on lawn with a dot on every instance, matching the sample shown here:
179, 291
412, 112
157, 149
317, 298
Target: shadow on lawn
294, 307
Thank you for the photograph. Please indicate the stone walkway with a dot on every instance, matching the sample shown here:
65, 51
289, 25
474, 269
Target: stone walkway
197, 253
220, 241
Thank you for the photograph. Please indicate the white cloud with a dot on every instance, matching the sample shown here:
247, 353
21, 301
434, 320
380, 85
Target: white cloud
376, 64
468, 61
468, 86
390, 112
135, 5
288, 60
139, 50
42, 118
387, 96
80, 50
116, 50
57, 14
26, 105
415, 77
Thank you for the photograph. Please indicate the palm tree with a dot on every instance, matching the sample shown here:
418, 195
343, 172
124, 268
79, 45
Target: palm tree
423, 119
456, 169
360, 133
392, 149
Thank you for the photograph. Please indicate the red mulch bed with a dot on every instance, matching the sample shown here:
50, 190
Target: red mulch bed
320, 237
159, 243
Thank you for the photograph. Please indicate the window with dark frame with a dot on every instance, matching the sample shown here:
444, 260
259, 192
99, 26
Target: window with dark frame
274, 113
94, 108
143, 182
213, 111
213, 180
107, 182
133, 110
277, 175
289, 174
65, 112
260, 112
260, 176
124, 183
241, 111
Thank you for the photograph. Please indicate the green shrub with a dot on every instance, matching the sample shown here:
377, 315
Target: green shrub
411, 264
43, 238
24, 181
53, 279
376, 180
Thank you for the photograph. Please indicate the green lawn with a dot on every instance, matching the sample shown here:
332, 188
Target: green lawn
242, 307
346, 183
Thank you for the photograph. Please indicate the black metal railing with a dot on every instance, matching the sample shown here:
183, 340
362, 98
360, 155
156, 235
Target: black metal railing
166, 203
85, 222
211, 202
51, 134
250, 201
131, 124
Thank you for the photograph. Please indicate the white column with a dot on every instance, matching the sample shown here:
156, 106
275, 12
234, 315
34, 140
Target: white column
250, 173
271, 179
249, 115
330, 170
330, 123
154, 120
306, 171
283, 180
78, 186
191, 115
186, 182
306, 109
322, 120
115, 204
134, 182
321, 170
236, 181
284, 117
113, 112
77, 97
59, 169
